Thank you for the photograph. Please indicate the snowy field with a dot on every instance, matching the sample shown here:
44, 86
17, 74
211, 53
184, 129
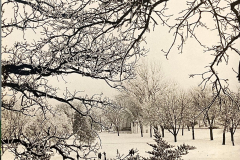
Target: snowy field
206, 149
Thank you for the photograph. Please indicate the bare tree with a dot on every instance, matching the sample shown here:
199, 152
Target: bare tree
161, 118
221, 19
144, 90
210, 110
234, 116
189, 114
192, 114
136, 110
226, 106
115, 114
230, 116
173, 107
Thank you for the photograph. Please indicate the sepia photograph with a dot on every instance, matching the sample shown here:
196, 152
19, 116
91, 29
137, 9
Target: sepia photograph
120, 80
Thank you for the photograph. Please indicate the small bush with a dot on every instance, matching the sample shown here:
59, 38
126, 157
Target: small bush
162, 150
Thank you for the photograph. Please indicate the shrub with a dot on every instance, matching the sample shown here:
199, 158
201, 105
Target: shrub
162, 150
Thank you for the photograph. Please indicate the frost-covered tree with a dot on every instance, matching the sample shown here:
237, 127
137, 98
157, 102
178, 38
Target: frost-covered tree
174, 105
162, 150
45, 39
234, 115
193, 112
144, 90
203, 100
36, 136
85, 129
189, 113
229, 116
226, 105
115, 115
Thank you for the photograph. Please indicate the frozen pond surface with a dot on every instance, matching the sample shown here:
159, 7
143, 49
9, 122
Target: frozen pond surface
206, 149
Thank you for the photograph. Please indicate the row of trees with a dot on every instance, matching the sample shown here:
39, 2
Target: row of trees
153, 101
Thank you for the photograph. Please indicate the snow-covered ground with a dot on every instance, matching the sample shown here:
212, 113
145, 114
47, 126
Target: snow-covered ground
206, 149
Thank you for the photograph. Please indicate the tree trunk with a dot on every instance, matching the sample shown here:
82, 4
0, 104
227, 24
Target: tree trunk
232, 134
182, 129
175, 137
141, 129
118, 131
224, 138
162, 131
100, 123
193, 135
211, 133
150, 130
188, 127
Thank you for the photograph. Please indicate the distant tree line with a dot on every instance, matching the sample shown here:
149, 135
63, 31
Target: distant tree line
154, 101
